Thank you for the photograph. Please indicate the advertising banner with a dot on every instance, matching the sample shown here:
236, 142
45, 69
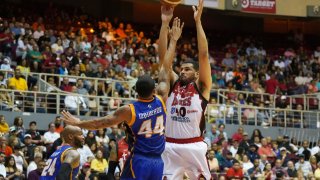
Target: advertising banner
259, 6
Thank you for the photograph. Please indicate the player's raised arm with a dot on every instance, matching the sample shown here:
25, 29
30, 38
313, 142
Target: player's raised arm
205, 81
166, 75
71, 157
176, 32
166, 16
121, 114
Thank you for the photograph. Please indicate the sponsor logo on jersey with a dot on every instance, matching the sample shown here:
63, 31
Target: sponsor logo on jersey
180, 119
173, 110
182, 102
192, 111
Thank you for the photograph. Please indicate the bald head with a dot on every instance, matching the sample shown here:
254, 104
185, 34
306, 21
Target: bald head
69, 133
69, 130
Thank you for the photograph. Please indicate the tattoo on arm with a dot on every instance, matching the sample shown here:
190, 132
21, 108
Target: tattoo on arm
120, 115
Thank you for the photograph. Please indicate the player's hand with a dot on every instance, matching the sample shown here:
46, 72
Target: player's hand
166, 13
198, 11
176, 30
69, 118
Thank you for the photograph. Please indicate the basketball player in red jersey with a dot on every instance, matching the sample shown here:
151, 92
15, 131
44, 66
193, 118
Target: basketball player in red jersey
185, 151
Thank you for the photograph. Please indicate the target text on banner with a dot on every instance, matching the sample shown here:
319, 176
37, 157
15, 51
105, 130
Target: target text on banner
259, 6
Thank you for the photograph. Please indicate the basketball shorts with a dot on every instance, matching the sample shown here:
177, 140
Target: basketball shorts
189, 159
141, 167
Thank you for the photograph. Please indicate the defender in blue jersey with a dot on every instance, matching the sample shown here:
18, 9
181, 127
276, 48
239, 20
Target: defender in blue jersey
146, 118
63, 164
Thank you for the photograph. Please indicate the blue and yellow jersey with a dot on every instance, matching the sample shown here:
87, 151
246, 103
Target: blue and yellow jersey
54, 164
147, 125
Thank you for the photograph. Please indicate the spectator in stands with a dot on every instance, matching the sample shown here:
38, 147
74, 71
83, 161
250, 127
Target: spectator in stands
102, 138
20, 160
6, 103
315, 150
85, 45
212, 161
264, 115
113, 159
86, 172
278, 167
272, 84
256, 133
35, 58
221, 129
35, 174
284, 156
29, 147
21, 50
317, 172
255, 172
212, 134
246, 164
3, 80
58, 124
65, 85
234, 148
18, 128
265, 149
86, 155
4, 148
35, 134
249, 115
115, 102
11, 169
238, 136
51, 135
2, 167
18, 82
235, 172
99, 164
313, 163
6, 64
4, 127
213, 111
227, 162
50, 63
62, 70
303, 165
228, 61
252, 153
94, 65
267, 172
292, 172
81, 89
93, 103
244, 144
305, 150
24, 67
33, 165
74, 103
57, 47
35, 101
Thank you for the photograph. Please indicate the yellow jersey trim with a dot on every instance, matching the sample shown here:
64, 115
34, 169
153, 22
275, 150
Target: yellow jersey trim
132, 172
133, 115
163, 104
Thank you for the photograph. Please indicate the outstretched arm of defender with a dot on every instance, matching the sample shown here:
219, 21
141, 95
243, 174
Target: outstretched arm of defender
205, 81
120, 115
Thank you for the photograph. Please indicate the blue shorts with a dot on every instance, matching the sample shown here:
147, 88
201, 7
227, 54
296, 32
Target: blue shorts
141, 167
